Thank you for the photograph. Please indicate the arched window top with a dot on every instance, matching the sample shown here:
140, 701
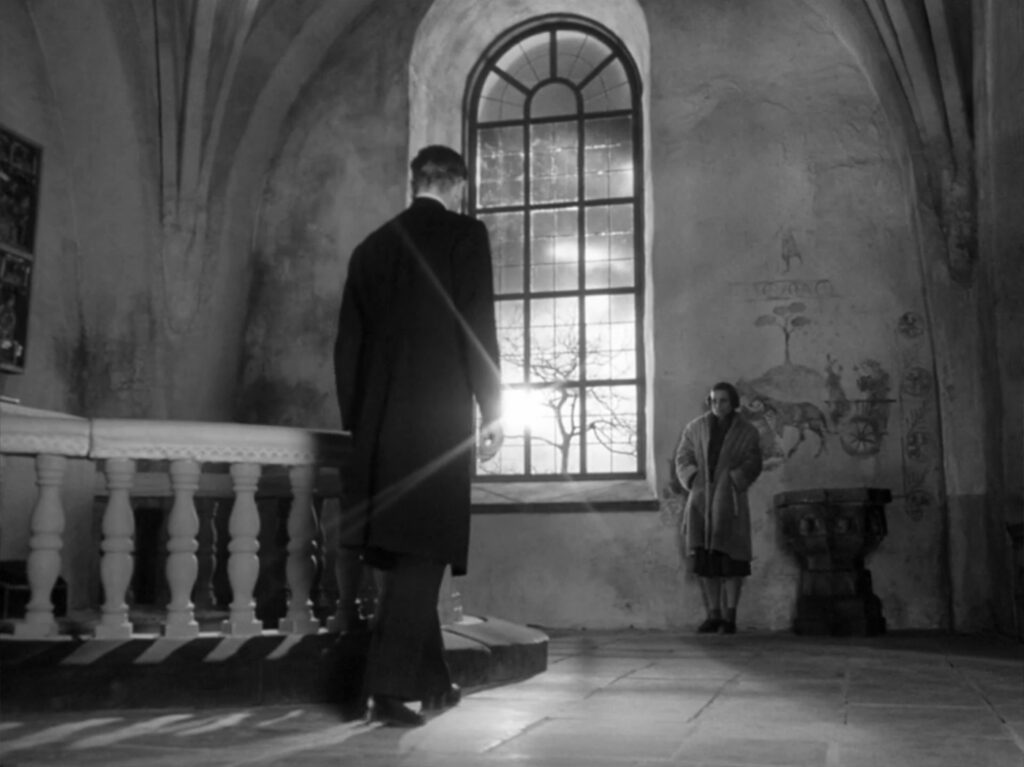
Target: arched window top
555, 69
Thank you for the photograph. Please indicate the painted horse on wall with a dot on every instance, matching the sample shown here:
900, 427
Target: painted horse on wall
794, 404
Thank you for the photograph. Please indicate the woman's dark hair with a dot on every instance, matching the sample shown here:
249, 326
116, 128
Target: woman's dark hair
734, 396
437, 165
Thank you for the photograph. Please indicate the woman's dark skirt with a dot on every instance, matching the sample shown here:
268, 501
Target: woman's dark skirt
717, 564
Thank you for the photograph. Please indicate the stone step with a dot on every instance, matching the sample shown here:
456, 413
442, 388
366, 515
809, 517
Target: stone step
212, 670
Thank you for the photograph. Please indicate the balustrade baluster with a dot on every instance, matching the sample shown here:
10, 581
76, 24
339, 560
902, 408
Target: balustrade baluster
45, 543
243, 562
118, 544
203, 594
301, 565
182, 565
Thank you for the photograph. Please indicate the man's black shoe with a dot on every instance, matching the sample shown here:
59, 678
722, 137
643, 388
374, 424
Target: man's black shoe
443, 700
728, 627
391, 712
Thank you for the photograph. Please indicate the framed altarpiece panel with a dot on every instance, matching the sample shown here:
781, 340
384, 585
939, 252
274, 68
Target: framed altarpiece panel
20, 166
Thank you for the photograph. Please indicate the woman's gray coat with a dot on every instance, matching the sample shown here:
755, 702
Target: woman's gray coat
718, 518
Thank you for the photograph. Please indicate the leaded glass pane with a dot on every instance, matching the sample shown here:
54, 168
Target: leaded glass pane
529, 61
611, 336
555, 435
579, 54
511, 326
506, 232
608, 157
554, 337
554, 250
554, 100
609, 90
610, 258
500, 100
614, 429
499, 172
554, 165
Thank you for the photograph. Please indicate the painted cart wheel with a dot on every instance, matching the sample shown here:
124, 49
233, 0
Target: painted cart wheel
860, 437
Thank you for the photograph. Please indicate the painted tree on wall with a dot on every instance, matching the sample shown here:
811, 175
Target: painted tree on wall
789, 318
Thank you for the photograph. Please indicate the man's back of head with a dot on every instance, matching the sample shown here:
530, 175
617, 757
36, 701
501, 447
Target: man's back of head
438, 168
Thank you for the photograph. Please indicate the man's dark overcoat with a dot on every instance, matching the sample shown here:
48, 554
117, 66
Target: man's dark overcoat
416, 344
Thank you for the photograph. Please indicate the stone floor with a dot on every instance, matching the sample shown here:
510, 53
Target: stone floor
614, 699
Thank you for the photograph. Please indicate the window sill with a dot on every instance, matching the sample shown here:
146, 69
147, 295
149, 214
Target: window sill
564, 497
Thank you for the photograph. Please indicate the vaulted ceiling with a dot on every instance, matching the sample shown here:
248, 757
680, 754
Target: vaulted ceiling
210, 82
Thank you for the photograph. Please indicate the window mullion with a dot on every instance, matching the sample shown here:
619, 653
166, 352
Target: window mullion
597, 70
553, 52
581, 234
527, 313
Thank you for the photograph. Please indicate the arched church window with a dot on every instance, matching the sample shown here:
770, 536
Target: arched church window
554, 146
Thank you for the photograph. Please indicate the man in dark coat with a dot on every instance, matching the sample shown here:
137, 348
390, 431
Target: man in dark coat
416, 346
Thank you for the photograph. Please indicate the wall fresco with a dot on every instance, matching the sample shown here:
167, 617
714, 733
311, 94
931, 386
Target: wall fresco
798, 408
789, 422
921, 453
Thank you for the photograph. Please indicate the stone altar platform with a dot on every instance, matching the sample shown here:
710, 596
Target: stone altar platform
70, 673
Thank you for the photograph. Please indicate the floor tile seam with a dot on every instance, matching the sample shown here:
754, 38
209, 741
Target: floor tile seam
619, 678
717, 693
517, 735
896, 654
917, 705
1018, 738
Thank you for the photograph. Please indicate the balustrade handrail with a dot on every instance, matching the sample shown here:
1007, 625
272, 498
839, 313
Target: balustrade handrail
203, 441
185, 447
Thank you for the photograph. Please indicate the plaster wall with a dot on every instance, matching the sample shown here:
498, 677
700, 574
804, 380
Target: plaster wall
106, 265
790, 267
340, 172
28, 108
590, 569
782, 258
1000, 109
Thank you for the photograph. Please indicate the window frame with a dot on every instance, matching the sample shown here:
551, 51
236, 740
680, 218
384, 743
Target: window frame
476, 80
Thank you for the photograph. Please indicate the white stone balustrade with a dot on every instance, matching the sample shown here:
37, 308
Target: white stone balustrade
186, 449
182, 565
43, 564
51, 440
244, 564
301, 567
118, 544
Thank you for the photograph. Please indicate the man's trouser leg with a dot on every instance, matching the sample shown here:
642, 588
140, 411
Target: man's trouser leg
406, 654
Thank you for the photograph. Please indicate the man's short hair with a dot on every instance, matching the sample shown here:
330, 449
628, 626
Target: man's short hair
437, 165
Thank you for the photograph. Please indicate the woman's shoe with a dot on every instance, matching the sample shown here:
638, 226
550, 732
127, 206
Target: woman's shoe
709, 626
